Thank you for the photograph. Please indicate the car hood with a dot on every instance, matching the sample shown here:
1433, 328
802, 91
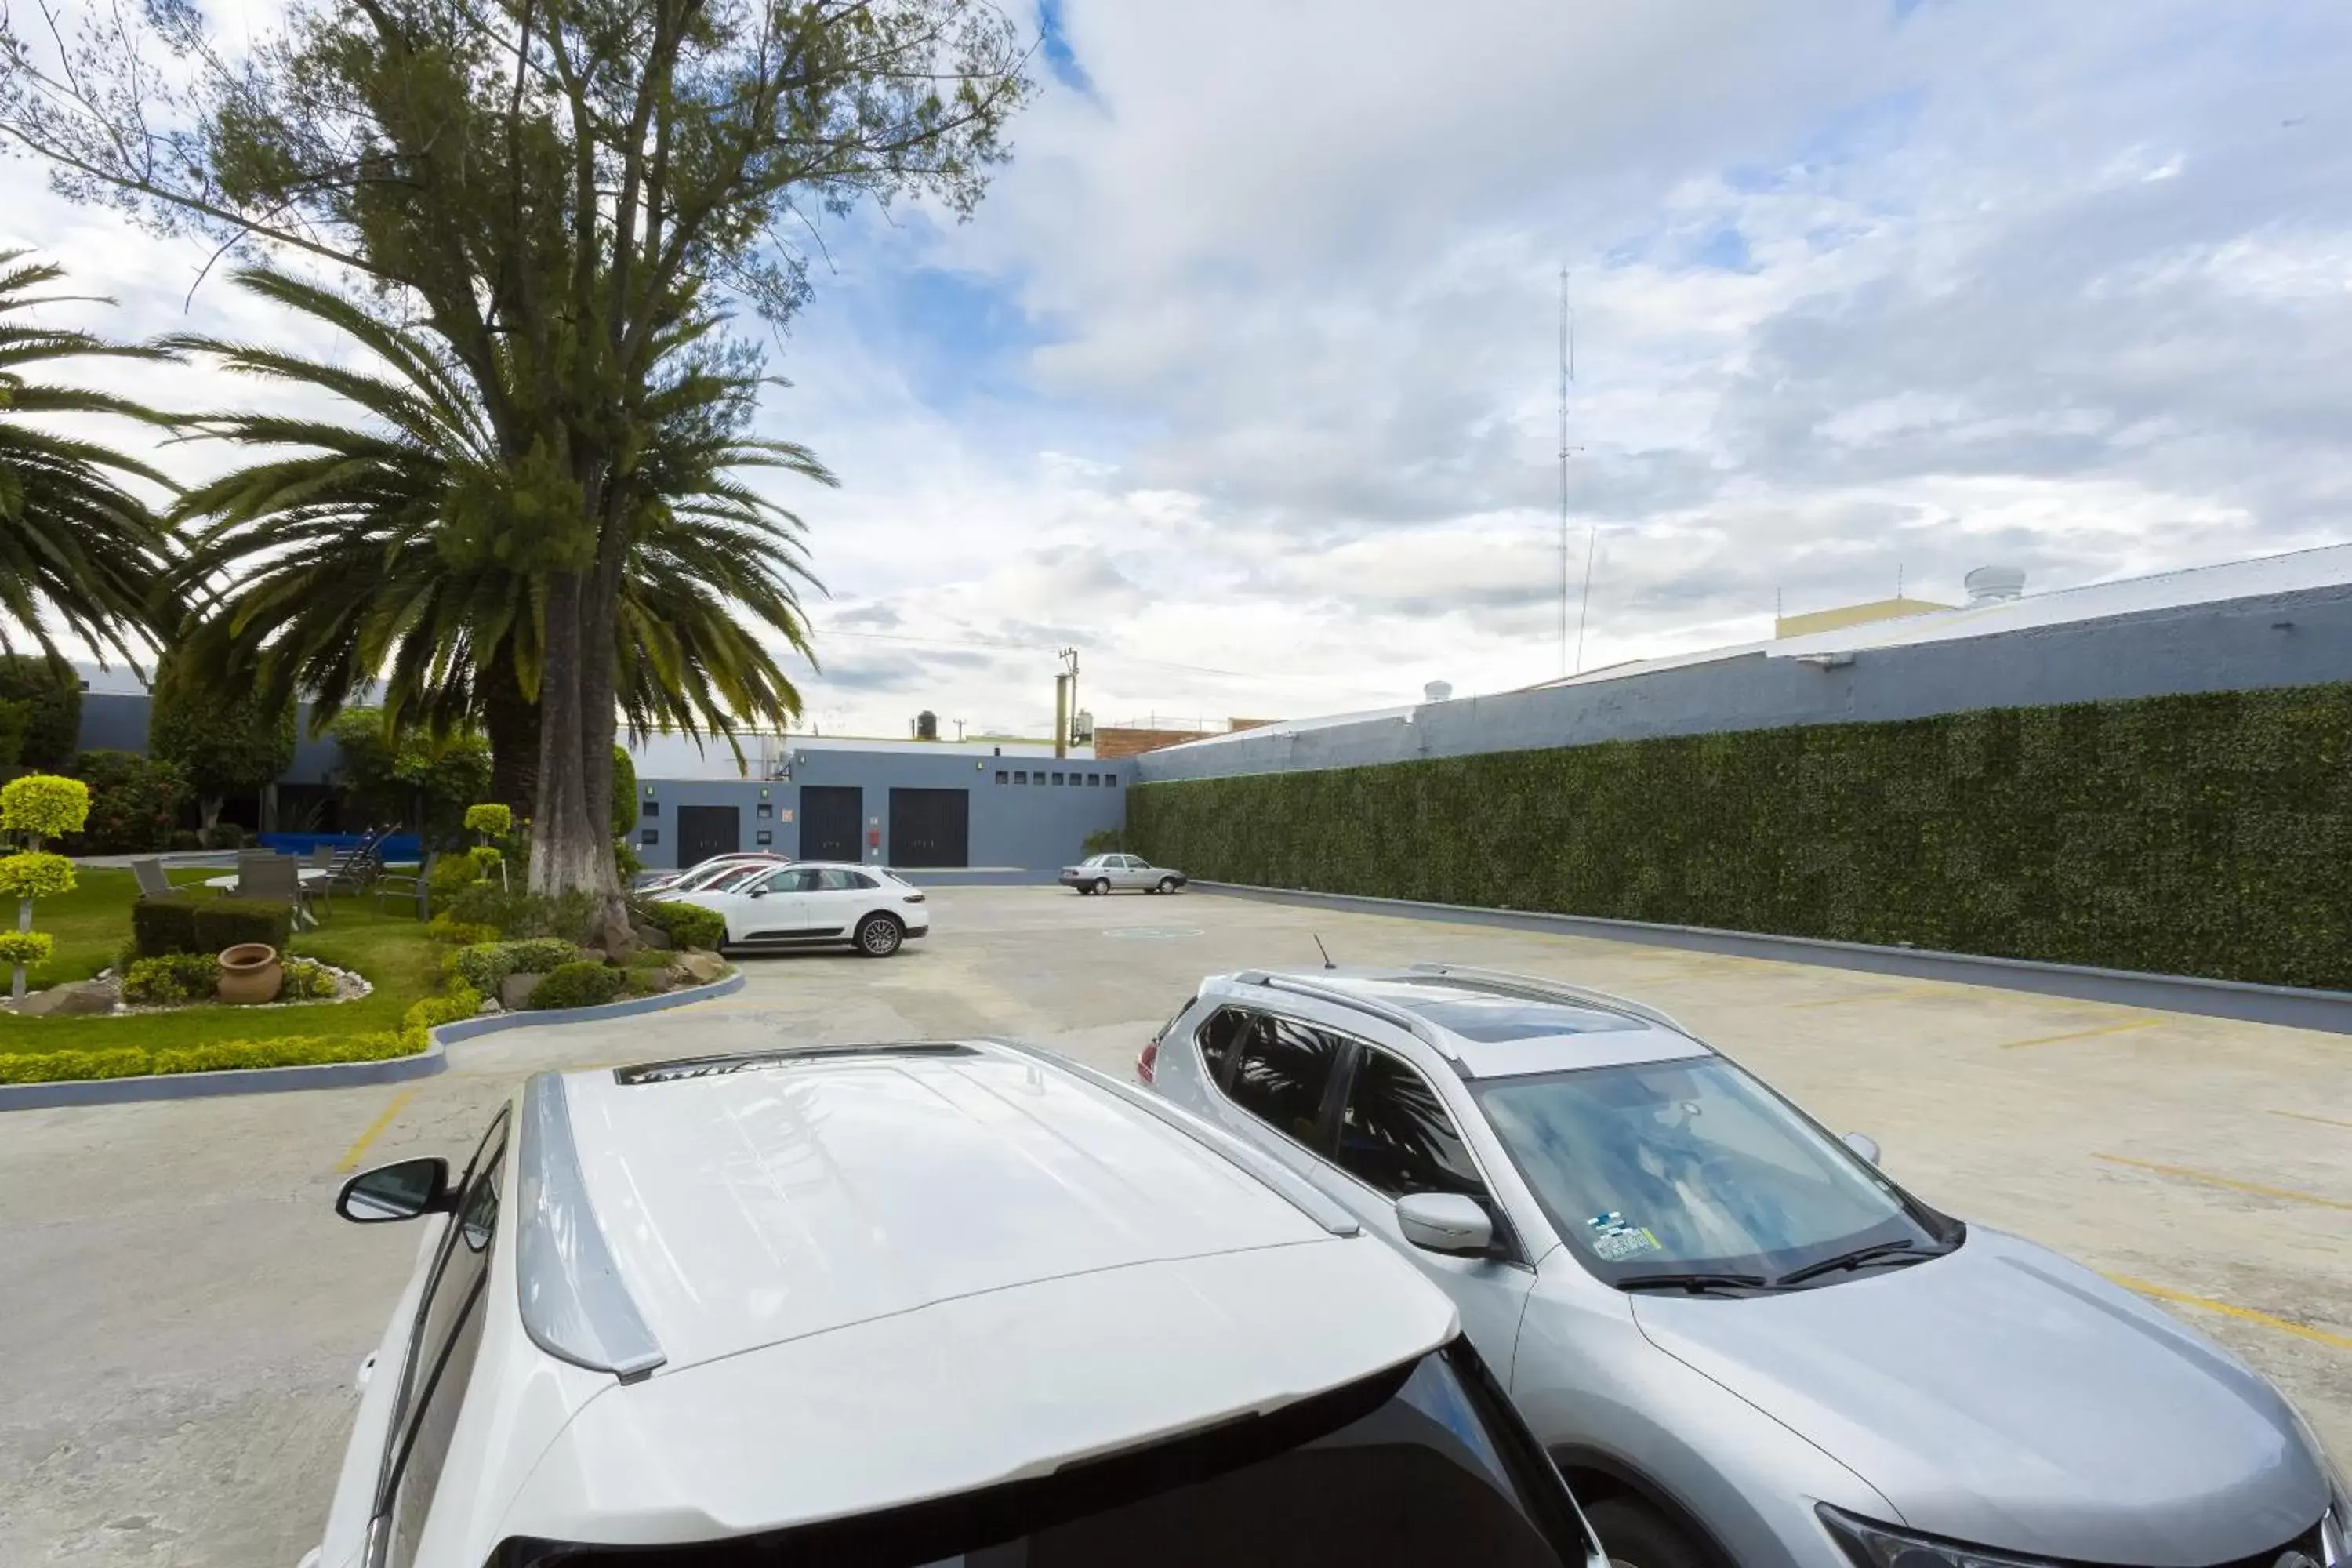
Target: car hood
2003, 1396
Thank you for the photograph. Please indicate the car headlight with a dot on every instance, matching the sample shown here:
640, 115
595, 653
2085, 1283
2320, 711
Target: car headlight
1877, 1546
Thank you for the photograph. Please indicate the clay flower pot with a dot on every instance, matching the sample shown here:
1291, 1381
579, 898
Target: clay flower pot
249, 972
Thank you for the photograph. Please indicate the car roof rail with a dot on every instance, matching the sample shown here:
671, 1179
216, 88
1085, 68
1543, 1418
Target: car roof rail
1304, 1195
1555, 990
575, 1305
1419, 1028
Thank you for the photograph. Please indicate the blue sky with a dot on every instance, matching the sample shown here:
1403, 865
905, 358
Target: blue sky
1242, 378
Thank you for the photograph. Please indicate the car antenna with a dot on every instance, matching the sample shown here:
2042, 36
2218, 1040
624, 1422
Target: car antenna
1324, 950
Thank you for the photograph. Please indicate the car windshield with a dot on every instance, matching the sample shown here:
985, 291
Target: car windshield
1692, 1166
1422, 1465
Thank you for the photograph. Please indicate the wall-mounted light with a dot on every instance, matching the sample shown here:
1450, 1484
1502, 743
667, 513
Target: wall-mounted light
649, 790
763, 794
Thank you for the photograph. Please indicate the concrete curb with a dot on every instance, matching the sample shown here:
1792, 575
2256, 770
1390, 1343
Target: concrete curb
2286, 1006
434, 1058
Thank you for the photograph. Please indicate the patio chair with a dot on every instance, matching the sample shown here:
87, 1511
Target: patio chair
152, 882
356, 869
274, 878
416, 887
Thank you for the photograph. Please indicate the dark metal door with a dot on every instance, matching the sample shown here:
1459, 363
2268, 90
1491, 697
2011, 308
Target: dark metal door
930, 828
831, 816
707, 830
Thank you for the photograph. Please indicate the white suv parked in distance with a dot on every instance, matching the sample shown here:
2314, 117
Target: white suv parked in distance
956, 1303
817, 903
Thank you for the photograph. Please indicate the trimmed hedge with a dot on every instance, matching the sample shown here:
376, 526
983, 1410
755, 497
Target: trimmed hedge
484, 966
2207, 834
133, 1061
159, 926
223, 923
687, 925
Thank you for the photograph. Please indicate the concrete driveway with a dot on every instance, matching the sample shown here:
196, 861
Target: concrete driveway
181, 1314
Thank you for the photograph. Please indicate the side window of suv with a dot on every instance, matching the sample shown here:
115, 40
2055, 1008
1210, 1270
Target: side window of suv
441, 1359
1395, 1135
1220, 1036
1283, 1071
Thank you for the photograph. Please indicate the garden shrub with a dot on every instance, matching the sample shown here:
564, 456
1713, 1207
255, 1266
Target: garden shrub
44, 806
172, 979
518, 914
222, 1056
457, 932
583, 984
134, 804
490, 820
159, 926
687, 925
27, 949
219, 836
307, 980
461, 1001
452, 873
186, 838
224, 923
53, 1067
2206, 835
31, 874
486, 965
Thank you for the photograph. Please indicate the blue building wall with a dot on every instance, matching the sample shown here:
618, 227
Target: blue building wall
1034, 826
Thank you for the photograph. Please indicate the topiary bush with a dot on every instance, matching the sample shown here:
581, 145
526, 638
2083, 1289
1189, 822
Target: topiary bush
687, 925
172, 979
159, 926
43, 805
490, 819
224, 923
25, 949
452, 874
583, 984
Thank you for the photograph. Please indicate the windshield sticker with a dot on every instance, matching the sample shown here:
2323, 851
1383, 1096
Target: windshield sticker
1614, 1241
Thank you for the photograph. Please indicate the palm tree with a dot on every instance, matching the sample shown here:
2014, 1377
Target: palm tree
78, 550
404, 549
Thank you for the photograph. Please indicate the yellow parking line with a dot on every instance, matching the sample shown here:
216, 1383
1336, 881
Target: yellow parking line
2083, 1033
351, 1160
2323, 1120
2245, 1314
1898, 994
2208, 1177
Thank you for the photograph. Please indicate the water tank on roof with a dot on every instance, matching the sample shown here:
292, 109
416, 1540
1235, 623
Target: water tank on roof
1437, 691
1991, 584
1082, 727
926, 725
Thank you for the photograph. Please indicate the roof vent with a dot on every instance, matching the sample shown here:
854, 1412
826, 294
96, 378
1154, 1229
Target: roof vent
1992, 584
1437, 691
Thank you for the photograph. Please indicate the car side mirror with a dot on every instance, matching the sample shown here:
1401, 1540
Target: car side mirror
400, 1190
1445, 1222
1863, 1144
759, 892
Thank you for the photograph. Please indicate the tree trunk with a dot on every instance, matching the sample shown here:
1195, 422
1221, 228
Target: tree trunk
570, 850
512, 721
23, 922
208, 810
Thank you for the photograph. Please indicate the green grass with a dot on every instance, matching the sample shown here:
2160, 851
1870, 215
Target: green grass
93, 922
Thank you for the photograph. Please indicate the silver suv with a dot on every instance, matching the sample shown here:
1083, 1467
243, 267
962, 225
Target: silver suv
1741, 1341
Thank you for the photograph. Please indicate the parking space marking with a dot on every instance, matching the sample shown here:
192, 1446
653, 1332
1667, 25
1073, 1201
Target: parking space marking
2323, 1120
2083, 1033
1898, 994
351, 1160
2186, 1174
2245, 1314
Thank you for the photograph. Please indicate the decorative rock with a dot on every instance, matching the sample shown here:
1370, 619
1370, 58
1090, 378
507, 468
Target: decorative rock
489, 1008
656, 981
75, 997
651, 936
704, 967
515, 989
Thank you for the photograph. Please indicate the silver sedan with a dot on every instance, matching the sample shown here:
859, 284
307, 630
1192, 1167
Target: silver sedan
1104, 873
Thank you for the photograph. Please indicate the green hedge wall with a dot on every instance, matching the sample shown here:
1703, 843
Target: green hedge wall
2208, 835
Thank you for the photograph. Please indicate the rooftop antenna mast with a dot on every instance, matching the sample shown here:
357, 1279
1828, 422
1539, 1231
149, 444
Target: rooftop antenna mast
1566, 376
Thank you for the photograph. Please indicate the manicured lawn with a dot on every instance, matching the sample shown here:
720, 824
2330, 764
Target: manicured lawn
92, 924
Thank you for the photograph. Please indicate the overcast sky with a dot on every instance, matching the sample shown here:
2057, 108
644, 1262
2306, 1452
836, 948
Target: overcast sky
1244, 378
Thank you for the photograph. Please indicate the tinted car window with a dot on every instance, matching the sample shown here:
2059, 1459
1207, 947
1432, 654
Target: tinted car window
1395, 1135
1420, 1466
834, 881
1282, 1072
1221, 1036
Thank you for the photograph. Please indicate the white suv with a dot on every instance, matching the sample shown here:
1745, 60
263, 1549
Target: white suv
954, 1303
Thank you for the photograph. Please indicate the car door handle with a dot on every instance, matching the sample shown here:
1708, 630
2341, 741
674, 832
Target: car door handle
367, 1371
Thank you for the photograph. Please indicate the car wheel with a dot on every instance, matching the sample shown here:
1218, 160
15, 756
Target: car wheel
1167, 884
1636, 1535
1102, 884
878, 936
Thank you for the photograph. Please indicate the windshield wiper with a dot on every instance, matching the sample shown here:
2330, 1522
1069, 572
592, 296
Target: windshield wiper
1877, 1252
1697, 1284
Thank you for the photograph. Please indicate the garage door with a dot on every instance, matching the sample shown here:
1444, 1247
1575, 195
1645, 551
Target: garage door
831, 816
930, 828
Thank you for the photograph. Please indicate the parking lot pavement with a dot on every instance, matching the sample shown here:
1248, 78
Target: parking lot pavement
181, 1314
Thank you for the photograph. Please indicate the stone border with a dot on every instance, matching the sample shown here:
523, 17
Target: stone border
2285, 1006
432, 1059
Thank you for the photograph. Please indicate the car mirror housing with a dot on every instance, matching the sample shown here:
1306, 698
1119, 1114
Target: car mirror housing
1863, 1144
395, 1192
1445, 1222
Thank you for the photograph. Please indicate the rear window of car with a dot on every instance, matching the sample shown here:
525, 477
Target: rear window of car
1420, 1465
